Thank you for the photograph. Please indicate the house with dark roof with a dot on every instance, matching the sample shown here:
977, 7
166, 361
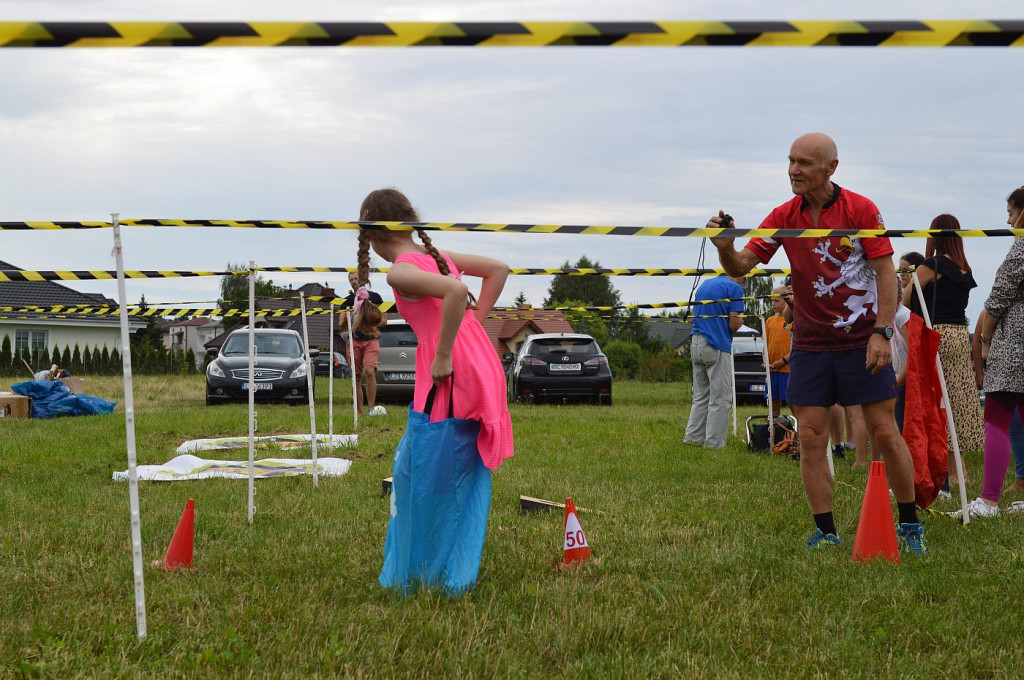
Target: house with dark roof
508, 328
674, 332
317, 325
31, 331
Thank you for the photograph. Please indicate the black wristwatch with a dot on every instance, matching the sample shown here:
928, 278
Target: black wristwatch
884, 330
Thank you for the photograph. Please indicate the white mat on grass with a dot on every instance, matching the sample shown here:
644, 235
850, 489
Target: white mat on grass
281, 441
191, 467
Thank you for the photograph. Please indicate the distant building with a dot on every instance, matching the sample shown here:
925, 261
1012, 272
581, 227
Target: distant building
672, 331
32, 331
318, 325
189, 334
508, 328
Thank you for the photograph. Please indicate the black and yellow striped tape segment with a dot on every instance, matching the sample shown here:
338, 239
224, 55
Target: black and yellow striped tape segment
97, 274
835, 33
134, 310
662, 305
595, 230
94, 274
170, 311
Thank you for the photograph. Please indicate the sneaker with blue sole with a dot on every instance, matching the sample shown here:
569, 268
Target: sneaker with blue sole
910, 536
819, 539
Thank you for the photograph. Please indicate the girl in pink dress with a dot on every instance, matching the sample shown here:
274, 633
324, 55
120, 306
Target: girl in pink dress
454, 355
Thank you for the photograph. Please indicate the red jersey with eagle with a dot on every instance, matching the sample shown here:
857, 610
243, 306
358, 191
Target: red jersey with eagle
834, 294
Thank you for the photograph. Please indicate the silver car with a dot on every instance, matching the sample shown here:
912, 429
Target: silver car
396, 367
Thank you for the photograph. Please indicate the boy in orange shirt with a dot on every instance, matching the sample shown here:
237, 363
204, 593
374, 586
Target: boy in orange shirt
777, 335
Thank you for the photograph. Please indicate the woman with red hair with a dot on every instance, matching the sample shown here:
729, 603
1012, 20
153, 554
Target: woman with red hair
946, 281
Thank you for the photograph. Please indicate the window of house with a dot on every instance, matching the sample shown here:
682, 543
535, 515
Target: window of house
29, 342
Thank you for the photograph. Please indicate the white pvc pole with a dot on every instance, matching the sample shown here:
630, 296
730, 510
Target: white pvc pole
330, 384
767, 383
732, 368
946, 405
129, 423
252, 390
352, 370
309, 387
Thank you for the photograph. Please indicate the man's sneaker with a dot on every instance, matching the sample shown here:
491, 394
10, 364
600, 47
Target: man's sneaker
820, 539
979, 508
377, 410
1016, 506
911, 537
944, 495
838, 451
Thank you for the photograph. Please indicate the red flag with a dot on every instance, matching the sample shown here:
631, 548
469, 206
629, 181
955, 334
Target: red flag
924, 422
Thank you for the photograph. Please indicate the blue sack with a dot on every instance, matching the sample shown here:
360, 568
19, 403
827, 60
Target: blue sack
440, 499
51, 398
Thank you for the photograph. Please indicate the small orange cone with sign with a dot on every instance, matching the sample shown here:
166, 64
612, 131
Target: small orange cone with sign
180, 552
576, 547
876, 533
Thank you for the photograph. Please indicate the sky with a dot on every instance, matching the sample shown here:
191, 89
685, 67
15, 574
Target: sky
629, 136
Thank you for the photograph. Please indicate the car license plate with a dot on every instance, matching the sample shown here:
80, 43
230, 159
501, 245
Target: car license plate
555, 368
259, 386
401, 377
757, 388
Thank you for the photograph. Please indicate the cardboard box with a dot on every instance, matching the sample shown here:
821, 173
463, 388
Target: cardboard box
15, 406
74, 384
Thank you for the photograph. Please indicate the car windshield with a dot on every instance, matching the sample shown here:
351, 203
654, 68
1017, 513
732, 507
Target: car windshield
746, 344
563, 346
397, 336
277, 344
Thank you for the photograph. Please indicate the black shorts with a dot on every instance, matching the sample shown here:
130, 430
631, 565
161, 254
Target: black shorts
826, 378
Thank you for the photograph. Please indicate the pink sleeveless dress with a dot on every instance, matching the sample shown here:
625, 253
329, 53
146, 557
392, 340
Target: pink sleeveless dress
478, 375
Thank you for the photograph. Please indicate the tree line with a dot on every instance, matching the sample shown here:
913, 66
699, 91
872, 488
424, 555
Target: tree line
146, 360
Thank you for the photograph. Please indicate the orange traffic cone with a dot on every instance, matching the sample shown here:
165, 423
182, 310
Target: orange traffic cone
179, 552
876, 534
576, 547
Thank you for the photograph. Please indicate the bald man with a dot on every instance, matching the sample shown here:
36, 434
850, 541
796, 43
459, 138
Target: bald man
844, 299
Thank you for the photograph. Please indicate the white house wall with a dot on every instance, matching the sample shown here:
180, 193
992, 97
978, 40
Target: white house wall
67, 332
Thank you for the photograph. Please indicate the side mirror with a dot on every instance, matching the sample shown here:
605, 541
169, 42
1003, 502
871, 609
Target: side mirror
508, 357
314, 353
213, 351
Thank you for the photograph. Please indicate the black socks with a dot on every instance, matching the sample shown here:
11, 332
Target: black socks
826, 523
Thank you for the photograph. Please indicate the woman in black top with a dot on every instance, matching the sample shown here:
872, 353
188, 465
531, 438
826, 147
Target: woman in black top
946, 281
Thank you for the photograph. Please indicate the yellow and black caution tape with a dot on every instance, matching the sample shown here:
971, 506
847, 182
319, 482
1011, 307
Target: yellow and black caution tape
663, 305
170, 311
829, 33
599, 230
98, 274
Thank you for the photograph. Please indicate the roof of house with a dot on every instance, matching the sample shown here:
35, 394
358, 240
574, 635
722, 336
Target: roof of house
503, 324
671, 331
46, 294
197, 321
311, 290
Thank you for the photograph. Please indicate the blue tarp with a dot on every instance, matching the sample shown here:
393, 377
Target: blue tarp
52, 398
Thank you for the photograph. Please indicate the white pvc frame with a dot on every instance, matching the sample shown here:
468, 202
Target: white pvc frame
129, 423
356, 397
309, 388
330, 384
252, 391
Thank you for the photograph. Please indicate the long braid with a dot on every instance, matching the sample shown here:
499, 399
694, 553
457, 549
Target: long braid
442, 264
363, 258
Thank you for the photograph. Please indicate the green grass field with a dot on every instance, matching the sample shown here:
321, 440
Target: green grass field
698, 567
